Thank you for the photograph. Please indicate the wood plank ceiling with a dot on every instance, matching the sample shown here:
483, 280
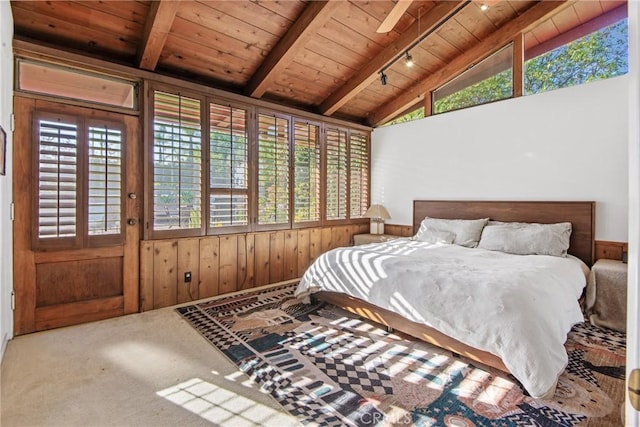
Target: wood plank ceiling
320, 56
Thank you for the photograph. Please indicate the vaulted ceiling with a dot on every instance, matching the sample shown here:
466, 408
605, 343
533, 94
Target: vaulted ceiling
320, 56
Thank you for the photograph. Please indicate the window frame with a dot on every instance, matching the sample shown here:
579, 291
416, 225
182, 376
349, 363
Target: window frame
231, 229
479, 63
307, 224
82, 238
253, 114
149, 162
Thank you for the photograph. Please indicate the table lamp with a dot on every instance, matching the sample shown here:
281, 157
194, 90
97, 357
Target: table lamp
378, 214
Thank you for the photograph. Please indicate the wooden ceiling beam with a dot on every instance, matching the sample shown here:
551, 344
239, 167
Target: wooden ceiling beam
312, 18
427, 23
159, 21
540, 11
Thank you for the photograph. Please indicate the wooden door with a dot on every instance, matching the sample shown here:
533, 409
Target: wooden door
77, 195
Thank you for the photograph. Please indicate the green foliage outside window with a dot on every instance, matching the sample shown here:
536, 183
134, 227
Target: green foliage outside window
599, 55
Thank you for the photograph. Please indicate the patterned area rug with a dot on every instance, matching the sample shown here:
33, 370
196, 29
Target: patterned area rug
327, 367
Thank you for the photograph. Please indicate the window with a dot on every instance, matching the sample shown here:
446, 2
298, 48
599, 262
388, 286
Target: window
72, 151
358, 174
66, 82
273, 169
488, 81
337, 179
229, 166
306, 180
599, 55
177, 162
105, 179
225, 167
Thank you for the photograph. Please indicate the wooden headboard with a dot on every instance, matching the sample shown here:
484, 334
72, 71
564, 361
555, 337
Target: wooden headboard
581, 215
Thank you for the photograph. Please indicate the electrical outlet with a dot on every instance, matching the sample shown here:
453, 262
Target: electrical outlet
187, 277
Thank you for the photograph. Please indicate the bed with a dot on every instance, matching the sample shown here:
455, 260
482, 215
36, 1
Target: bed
370, 265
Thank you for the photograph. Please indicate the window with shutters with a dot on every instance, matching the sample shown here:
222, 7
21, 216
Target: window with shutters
229, 167
306, 178
177, 162
358, 174
273, 169
226, 167
105, 179
337, 169
72, 151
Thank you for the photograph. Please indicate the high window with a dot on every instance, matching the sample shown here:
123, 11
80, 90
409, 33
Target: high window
79, 181
489, 80
559, 63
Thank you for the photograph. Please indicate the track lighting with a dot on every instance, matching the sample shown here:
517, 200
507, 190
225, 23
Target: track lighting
408, 59
383, 78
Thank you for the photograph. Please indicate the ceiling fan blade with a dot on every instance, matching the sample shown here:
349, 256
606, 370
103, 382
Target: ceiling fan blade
394, 16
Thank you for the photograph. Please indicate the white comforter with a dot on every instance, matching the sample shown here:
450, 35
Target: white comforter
517, 307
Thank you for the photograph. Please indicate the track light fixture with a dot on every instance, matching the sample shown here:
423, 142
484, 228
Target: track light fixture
383, 78
408, 59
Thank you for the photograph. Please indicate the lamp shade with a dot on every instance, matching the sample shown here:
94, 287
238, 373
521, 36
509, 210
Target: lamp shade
377, 211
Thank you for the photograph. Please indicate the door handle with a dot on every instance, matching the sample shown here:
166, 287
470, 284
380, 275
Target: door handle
132, 196
634, 389
132, 221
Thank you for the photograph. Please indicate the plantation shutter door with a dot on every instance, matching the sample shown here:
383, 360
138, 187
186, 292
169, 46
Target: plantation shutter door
336, 174
177, 162
105, 180
306, 172
273, 170
229, 169
358, 174
57, 197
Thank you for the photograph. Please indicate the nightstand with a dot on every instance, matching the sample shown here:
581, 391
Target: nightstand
606, 303
363, 239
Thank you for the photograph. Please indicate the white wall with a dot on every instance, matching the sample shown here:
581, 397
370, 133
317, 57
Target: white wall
6, 234
567, 144
633, 284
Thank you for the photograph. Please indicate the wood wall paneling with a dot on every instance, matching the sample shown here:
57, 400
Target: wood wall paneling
229, 263
610, 250
208, 285
188, 262
399, 230
262, 258
165, 273
146, 275
228, 270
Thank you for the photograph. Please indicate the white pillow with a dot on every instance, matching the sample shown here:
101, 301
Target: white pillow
437, 236
466, 231
527, 238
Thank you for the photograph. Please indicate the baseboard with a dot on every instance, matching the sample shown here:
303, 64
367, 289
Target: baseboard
3, 345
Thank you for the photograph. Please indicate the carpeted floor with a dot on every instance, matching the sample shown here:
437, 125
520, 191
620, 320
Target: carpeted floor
326, 367
148, 369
